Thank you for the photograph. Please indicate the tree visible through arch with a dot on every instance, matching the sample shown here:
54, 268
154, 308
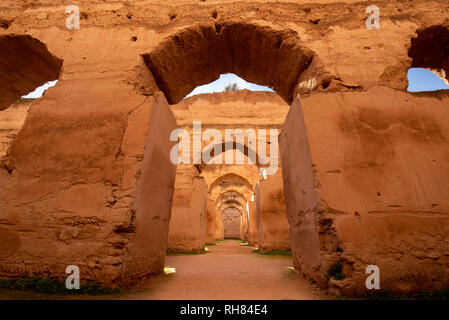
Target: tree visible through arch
199, 54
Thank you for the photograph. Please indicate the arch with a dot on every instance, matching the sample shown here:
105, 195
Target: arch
430, 50
233, 207
232, 219
228, 203
230, 194
232, 145
224, 197
230, 179
25, 64
199, 54
232, 203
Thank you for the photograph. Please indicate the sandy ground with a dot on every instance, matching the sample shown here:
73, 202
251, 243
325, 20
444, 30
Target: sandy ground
229, 271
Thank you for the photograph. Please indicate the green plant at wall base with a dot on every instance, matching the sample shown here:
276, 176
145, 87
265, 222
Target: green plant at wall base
24, 100
180, 253
335, 271
273, 253
55, 286
387, 294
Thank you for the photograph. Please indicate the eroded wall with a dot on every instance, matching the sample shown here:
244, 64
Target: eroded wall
253, 233
68, 187
75, 170
372, 187
187, 230
11, 121
211, 222
273, 227
232, 223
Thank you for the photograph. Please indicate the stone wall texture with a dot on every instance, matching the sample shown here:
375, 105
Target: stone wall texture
87, 180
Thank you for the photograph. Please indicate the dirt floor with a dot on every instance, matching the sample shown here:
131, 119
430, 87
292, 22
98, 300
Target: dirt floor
228, 271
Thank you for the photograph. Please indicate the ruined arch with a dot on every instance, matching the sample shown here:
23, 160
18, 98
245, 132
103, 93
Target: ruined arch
229, 194
224, 200
233, 145
25, 64
230, 179
229, 145
430, 50
233, 221
199, 54
231, 203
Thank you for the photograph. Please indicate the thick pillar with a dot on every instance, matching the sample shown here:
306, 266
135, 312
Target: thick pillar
365, 177
253, 236
273, 231
88, 182
219, 230
187, 231
211, 222
244, 226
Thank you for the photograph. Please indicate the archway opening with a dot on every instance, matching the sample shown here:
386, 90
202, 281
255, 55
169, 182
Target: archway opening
420, 79
429, 51
228, 82
199, 55
26, 65
27, 69
232, 222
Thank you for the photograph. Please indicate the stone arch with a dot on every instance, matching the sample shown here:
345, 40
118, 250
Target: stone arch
232, 145
230, 179
228, 194
232, 221
430, 50
231, 194
25, 65
231, 203
199, 54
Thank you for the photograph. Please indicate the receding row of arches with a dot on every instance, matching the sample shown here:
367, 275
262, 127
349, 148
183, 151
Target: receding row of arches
192, 57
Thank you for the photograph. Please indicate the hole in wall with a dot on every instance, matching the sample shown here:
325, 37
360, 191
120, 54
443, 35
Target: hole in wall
200, 54
228, 82
32, 64
420, 79
430, 50
27, 70
39, 91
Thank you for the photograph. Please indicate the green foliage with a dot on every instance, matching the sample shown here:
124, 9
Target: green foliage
24, 100
181, 253
55, 286
387, 294
231, 87
273, 253
335, 271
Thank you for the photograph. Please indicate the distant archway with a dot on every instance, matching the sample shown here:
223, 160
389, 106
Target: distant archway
230, 179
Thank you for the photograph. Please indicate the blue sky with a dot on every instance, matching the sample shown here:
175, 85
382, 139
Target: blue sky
40, 90
419, 80
424, 80
225, 79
